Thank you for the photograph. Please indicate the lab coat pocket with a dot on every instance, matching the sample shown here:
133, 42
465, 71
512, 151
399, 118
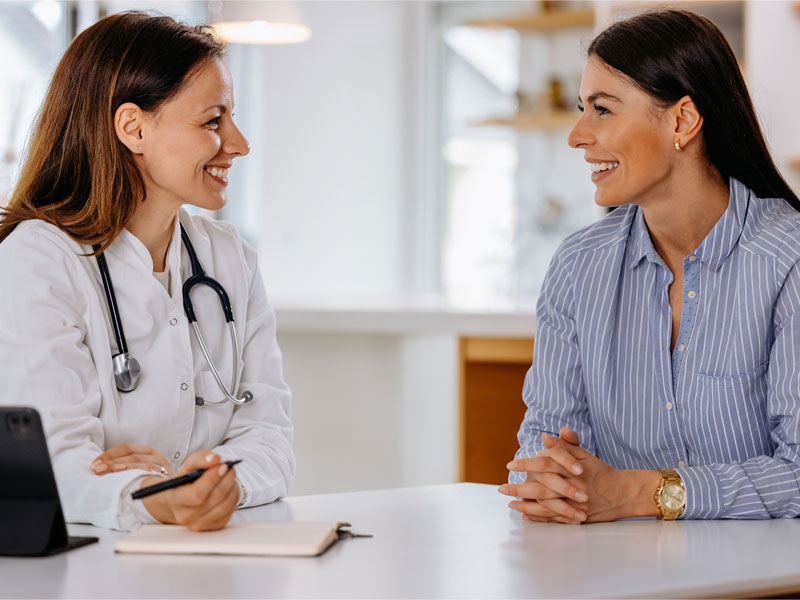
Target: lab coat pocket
215, 418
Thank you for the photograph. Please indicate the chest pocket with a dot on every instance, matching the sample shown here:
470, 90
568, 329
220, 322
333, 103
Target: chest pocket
735, 409
215, 420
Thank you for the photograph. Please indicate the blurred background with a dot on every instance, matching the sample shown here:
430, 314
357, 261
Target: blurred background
408, 183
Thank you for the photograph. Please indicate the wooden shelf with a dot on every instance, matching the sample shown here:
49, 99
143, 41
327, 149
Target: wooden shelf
554, 20
560, 119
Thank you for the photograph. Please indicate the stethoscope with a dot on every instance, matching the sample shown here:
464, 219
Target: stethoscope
127, 369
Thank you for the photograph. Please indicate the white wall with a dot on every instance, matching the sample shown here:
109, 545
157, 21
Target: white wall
772, 48
333, 149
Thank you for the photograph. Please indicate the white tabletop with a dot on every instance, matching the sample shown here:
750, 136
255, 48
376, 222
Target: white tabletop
445, 541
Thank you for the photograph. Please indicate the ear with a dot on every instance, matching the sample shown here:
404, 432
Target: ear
687, 121
128, 125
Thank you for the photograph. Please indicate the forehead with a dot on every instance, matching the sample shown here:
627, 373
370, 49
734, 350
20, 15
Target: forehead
210, 85
599, 77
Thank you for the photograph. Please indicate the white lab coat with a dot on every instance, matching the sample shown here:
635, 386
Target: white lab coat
56, 344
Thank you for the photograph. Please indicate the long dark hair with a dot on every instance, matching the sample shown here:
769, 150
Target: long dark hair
77, 175
674, 53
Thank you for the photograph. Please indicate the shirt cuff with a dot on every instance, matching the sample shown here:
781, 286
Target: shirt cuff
132, 513
703, 498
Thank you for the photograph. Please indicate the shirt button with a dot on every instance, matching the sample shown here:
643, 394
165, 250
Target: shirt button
177, 455
669, 405
692, 258
184, 387
681, 464
681, 347
692, 294
173, 321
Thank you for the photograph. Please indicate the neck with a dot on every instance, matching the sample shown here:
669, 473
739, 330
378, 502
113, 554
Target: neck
154, 229
683, 212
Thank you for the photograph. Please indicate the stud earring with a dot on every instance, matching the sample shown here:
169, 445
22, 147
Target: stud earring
678, 145
139, 148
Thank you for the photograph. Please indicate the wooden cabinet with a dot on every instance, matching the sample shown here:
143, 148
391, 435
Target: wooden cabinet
492, 371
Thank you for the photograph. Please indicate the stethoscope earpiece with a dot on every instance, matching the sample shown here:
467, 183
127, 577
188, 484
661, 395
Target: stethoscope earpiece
127, 369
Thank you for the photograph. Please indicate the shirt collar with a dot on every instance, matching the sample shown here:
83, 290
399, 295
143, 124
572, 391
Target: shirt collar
717, 245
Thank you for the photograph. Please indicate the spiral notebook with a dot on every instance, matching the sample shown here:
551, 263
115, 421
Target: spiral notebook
295, 538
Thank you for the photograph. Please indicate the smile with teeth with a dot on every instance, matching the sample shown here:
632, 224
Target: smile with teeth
217, 172
603, 166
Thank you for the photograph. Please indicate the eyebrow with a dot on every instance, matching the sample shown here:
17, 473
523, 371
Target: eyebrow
219, 107
591, 99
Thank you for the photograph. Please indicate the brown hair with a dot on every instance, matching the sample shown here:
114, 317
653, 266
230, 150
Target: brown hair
77, 174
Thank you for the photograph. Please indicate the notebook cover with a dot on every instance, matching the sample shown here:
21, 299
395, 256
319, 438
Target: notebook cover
295, 538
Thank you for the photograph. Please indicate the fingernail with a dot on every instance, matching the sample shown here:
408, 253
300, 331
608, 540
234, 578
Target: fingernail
119, 467
503, 489
547, 435
222, 469
512, 465
209, 458
579, 515
577, 469
101, 469
94, 463
581, 497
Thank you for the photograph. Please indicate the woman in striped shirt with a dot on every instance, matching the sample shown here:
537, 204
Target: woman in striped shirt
666, 375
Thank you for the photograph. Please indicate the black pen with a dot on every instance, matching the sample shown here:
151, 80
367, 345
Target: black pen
176, 482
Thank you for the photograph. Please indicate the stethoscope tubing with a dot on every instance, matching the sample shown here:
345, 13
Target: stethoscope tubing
127, 378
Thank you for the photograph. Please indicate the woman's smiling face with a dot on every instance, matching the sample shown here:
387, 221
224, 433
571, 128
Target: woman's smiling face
191, 141
624, 136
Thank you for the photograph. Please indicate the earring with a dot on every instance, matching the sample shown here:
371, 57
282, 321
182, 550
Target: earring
678, 145
139, 148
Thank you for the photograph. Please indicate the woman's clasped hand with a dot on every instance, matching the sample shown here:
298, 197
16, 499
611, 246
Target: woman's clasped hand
566, 484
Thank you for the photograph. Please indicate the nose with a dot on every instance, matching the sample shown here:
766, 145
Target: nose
580, 135
236, 144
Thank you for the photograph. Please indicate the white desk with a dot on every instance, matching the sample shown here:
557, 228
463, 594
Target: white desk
445, 541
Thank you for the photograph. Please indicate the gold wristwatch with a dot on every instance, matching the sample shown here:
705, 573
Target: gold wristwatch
670, 495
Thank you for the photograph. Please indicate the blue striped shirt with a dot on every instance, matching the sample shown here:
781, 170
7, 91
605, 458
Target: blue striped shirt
723, 408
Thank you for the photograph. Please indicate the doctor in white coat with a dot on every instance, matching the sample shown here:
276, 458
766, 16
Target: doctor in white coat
138, 122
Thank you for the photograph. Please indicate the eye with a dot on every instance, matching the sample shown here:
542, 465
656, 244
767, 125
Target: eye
213, 123
601, 109
580, 106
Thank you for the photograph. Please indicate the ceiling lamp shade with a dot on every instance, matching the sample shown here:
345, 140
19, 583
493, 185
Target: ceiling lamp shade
251, 22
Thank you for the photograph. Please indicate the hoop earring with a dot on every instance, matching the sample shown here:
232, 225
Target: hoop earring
678, 145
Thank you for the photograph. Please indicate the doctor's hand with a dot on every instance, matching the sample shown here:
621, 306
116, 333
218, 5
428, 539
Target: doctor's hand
204, 505
131, 456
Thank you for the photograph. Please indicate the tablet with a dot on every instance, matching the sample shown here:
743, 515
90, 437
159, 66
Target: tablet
31, 520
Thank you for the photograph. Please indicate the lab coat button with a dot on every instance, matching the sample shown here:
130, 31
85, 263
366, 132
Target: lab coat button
173, 321
669, 405
681, 464
184, 387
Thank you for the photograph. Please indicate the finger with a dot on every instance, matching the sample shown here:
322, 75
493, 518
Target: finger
543, 510
144, 466
557, 519
537, 464
122, 450
570, 436
201, 459
563, 455
198, 493
548, 486
548, 508
564, 509
219, 514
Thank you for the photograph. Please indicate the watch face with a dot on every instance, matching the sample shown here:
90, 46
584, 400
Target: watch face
673, 496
